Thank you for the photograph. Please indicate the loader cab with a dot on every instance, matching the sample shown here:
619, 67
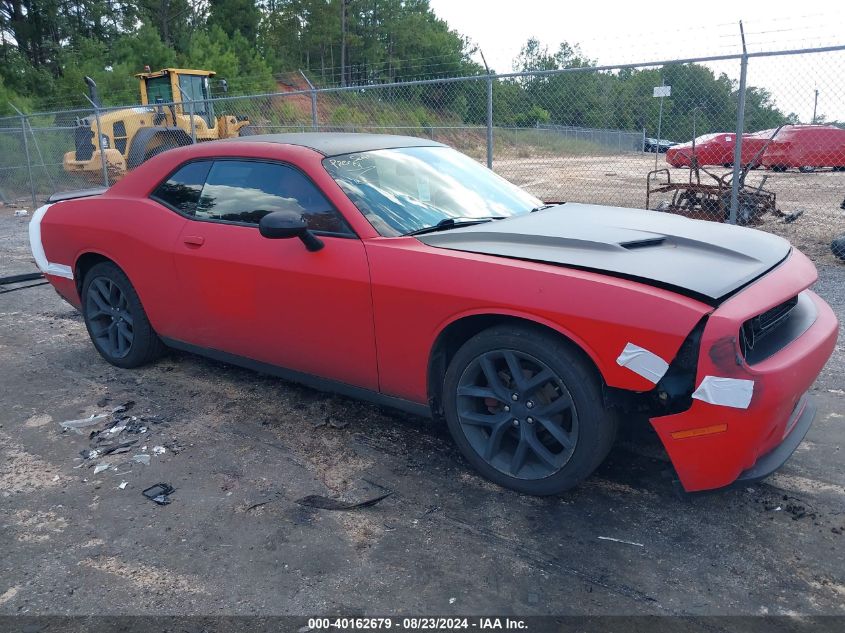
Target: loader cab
181, 87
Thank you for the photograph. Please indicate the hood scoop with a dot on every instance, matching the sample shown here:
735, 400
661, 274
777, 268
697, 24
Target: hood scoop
633, 244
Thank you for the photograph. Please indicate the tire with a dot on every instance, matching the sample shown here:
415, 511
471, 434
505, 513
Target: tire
492, 421
837, 247
155, 151
126, 339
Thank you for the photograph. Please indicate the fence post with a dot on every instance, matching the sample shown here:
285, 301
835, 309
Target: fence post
659, 121
490, 121
102, 149
100, 142
193, 125
489, 112
740, 129
26, 153
313, 90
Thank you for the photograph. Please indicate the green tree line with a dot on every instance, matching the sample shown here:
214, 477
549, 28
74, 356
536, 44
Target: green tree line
701, 102
47, 47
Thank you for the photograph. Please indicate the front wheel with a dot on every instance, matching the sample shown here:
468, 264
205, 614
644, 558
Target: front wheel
525, 409
116, 320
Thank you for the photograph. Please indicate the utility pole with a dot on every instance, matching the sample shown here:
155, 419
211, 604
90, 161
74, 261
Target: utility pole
343, 42
815, 105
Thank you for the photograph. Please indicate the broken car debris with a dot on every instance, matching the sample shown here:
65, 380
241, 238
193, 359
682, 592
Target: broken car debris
619, 540
326, 503
76, 425
159, 493
115, 437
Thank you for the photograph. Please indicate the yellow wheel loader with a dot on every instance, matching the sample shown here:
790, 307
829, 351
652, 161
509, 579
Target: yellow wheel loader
175, 110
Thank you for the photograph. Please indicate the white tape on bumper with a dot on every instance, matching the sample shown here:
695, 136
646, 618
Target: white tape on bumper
725, 392
643, 362
46, 267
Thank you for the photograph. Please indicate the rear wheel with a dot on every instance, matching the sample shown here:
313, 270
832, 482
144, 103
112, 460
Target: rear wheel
155, 151
837, 247
116, 320
525, 409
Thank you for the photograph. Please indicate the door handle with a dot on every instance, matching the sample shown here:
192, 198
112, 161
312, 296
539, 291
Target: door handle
194, 240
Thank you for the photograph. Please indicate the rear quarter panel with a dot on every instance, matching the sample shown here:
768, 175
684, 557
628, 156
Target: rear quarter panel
137, 234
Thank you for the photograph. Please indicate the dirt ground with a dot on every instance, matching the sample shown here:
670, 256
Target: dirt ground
241, 449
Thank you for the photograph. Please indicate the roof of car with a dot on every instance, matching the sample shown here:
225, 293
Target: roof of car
334, 143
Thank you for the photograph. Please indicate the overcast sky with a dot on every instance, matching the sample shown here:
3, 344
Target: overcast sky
625, 32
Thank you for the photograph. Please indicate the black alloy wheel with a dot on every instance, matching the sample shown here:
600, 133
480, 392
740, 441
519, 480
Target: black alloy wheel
112, 324
516, 413
525, 407
115, 318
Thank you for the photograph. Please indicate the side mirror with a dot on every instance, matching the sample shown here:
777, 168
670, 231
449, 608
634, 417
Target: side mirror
279, 225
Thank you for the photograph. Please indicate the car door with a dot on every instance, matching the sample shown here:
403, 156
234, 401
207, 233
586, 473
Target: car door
271, 300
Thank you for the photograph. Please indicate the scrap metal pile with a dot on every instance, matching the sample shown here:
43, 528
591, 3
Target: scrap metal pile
712, 200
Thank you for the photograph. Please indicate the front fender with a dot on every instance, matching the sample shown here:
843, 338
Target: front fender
419, 290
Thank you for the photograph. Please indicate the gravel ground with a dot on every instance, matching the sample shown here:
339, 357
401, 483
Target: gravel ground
241, 449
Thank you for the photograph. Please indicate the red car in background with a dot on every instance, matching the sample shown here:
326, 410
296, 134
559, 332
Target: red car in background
806, 146
398, 270
718, 149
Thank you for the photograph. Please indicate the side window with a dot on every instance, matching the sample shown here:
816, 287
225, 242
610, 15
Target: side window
182, 190
245, 191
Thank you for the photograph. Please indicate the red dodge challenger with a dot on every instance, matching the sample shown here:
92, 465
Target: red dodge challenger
398, 270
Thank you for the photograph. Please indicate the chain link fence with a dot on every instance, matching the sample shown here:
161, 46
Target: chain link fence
728, 138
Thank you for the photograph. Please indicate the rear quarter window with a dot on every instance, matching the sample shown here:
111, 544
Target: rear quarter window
182, 190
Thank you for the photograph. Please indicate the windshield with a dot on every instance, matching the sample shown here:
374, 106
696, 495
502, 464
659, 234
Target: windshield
159, 88
195, 88
412, 188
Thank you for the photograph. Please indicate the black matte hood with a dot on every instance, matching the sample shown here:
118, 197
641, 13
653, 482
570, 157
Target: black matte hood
706, 260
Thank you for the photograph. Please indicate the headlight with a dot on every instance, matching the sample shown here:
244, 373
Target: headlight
104, 141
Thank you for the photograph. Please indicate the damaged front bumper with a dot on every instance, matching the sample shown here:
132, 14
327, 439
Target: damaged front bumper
797, 427
749, 435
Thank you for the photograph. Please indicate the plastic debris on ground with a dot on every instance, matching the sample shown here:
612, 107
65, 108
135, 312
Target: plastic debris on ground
21, 213
326, 503
338, 424
76, 425
619, 540
123, 485
115, 433
159, 493
259, 504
